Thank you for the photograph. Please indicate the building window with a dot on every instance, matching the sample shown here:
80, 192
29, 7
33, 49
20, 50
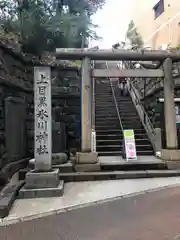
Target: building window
158, 8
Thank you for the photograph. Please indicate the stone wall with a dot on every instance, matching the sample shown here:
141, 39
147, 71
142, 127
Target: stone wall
154, 91
16, 83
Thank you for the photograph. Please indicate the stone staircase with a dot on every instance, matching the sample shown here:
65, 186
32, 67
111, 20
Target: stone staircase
109, 137
108, 130
131, 120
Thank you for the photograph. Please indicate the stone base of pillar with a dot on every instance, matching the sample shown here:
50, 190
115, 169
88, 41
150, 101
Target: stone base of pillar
42, 184
94, 167
86, 158
170, 155
173, 165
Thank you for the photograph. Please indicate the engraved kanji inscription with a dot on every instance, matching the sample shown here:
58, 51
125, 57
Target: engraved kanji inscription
41, 137
42, 90
42, 101
43, 79
42, 149
42, 114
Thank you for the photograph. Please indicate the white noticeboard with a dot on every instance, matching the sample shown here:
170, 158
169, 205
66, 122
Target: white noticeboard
93, 141
130, 145
177, 114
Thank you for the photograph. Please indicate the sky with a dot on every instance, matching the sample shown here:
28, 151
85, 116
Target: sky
113, 21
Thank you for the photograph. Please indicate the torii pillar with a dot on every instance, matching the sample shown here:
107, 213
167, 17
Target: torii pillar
171, 153
86, 156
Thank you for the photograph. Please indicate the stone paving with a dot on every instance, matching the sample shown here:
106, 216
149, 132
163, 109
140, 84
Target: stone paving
82, 194
155, 215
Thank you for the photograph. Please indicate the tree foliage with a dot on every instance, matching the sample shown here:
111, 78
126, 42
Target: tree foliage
43, 25
133, 36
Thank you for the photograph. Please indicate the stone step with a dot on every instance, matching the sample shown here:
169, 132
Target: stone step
109, 137
123, 102
132, 126
106, 127
127, 110
117, 131
127, 126
109, 148
120, 141
101, 90
124, 108
108, 123
119, 153
102, 100
101, 106
99, 96
134, 165
124, 118
101, 118
113, 175
100, 115
114, 146
104, 92
110, 153
117, 135
124, 113
106, 110
129, 119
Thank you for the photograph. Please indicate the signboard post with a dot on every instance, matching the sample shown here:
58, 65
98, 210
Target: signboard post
130, 146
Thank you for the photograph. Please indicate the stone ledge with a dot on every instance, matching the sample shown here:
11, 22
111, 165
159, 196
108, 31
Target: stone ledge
170, 154
114, 175
42, 192
7, 197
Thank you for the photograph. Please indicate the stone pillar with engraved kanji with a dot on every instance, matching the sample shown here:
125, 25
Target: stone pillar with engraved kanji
43, 181
43, 119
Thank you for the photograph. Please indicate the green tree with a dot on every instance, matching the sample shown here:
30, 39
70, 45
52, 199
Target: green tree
133, 36
45, 25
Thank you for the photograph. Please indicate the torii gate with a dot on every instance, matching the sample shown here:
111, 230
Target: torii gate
86, 55
43, 180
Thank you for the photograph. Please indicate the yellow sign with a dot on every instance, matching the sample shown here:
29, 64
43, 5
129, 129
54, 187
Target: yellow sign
128, 133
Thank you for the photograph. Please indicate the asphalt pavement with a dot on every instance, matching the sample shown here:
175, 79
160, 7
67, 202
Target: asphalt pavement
155, 215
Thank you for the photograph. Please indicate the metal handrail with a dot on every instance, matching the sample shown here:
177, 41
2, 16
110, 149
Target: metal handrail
115, 101
146, 117
138, 101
